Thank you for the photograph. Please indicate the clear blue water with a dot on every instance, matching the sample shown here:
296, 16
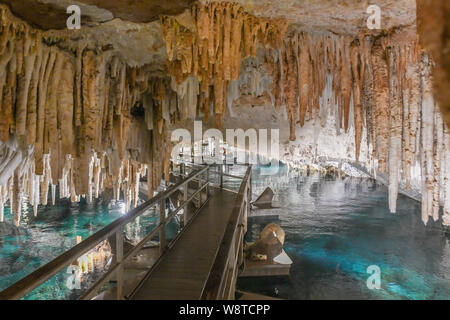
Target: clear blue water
53, 232
337, 228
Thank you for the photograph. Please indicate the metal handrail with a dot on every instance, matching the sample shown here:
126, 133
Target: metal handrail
231, 246
220, 166
46, 272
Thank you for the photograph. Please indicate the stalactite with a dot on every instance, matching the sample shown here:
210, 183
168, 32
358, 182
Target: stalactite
2, 204
381, 97
446, 182
437, 158
23, 87
358, 78
427, 141
375, 85
414, 100
223, 31
70, 114
303, 83
395, 131
290, 85
85, 120
17, 198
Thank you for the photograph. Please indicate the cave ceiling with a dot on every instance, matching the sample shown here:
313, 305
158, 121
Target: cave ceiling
132, 28
93, 11
339, 16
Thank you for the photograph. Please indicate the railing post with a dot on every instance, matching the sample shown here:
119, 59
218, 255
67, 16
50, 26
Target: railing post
185, 197
207, 183
162, 222
119, 260
221, 175
200, 193
249, 194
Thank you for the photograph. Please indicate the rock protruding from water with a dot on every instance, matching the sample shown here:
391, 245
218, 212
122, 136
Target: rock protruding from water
9, 229
269, 245
264, 201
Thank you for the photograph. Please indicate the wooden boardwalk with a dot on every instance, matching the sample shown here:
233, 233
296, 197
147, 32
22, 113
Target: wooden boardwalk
184, 269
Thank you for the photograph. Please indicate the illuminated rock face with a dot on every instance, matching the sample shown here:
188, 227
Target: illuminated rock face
374, 82
83, 111
433, 27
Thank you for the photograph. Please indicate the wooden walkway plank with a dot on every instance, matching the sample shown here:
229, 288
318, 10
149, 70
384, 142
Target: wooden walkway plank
184, 270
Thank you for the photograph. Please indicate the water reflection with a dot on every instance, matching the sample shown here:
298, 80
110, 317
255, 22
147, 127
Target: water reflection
336, 228
40, 239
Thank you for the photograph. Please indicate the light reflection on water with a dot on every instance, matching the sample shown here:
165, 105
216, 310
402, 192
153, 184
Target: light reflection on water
53, 232
336, 228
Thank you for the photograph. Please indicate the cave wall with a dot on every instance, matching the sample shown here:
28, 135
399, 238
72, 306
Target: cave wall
85, 117
71, 115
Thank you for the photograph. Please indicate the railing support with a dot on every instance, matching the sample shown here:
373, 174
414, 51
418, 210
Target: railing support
221, 283
119, 260
200, 193
207, 181
221, 175
116, 269
162, 222
251, 192
185, 209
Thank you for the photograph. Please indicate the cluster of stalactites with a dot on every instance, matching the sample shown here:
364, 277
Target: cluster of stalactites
74, 111
163, 107
211, 44
128, 182
377, 85
434, 152
26, 185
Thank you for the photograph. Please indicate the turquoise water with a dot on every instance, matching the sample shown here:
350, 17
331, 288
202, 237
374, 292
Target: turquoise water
337, 228
53, 232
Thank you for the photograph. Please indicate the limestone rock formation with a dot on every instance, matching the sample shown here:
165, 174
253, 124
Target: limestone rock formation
269, 245
93, 109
